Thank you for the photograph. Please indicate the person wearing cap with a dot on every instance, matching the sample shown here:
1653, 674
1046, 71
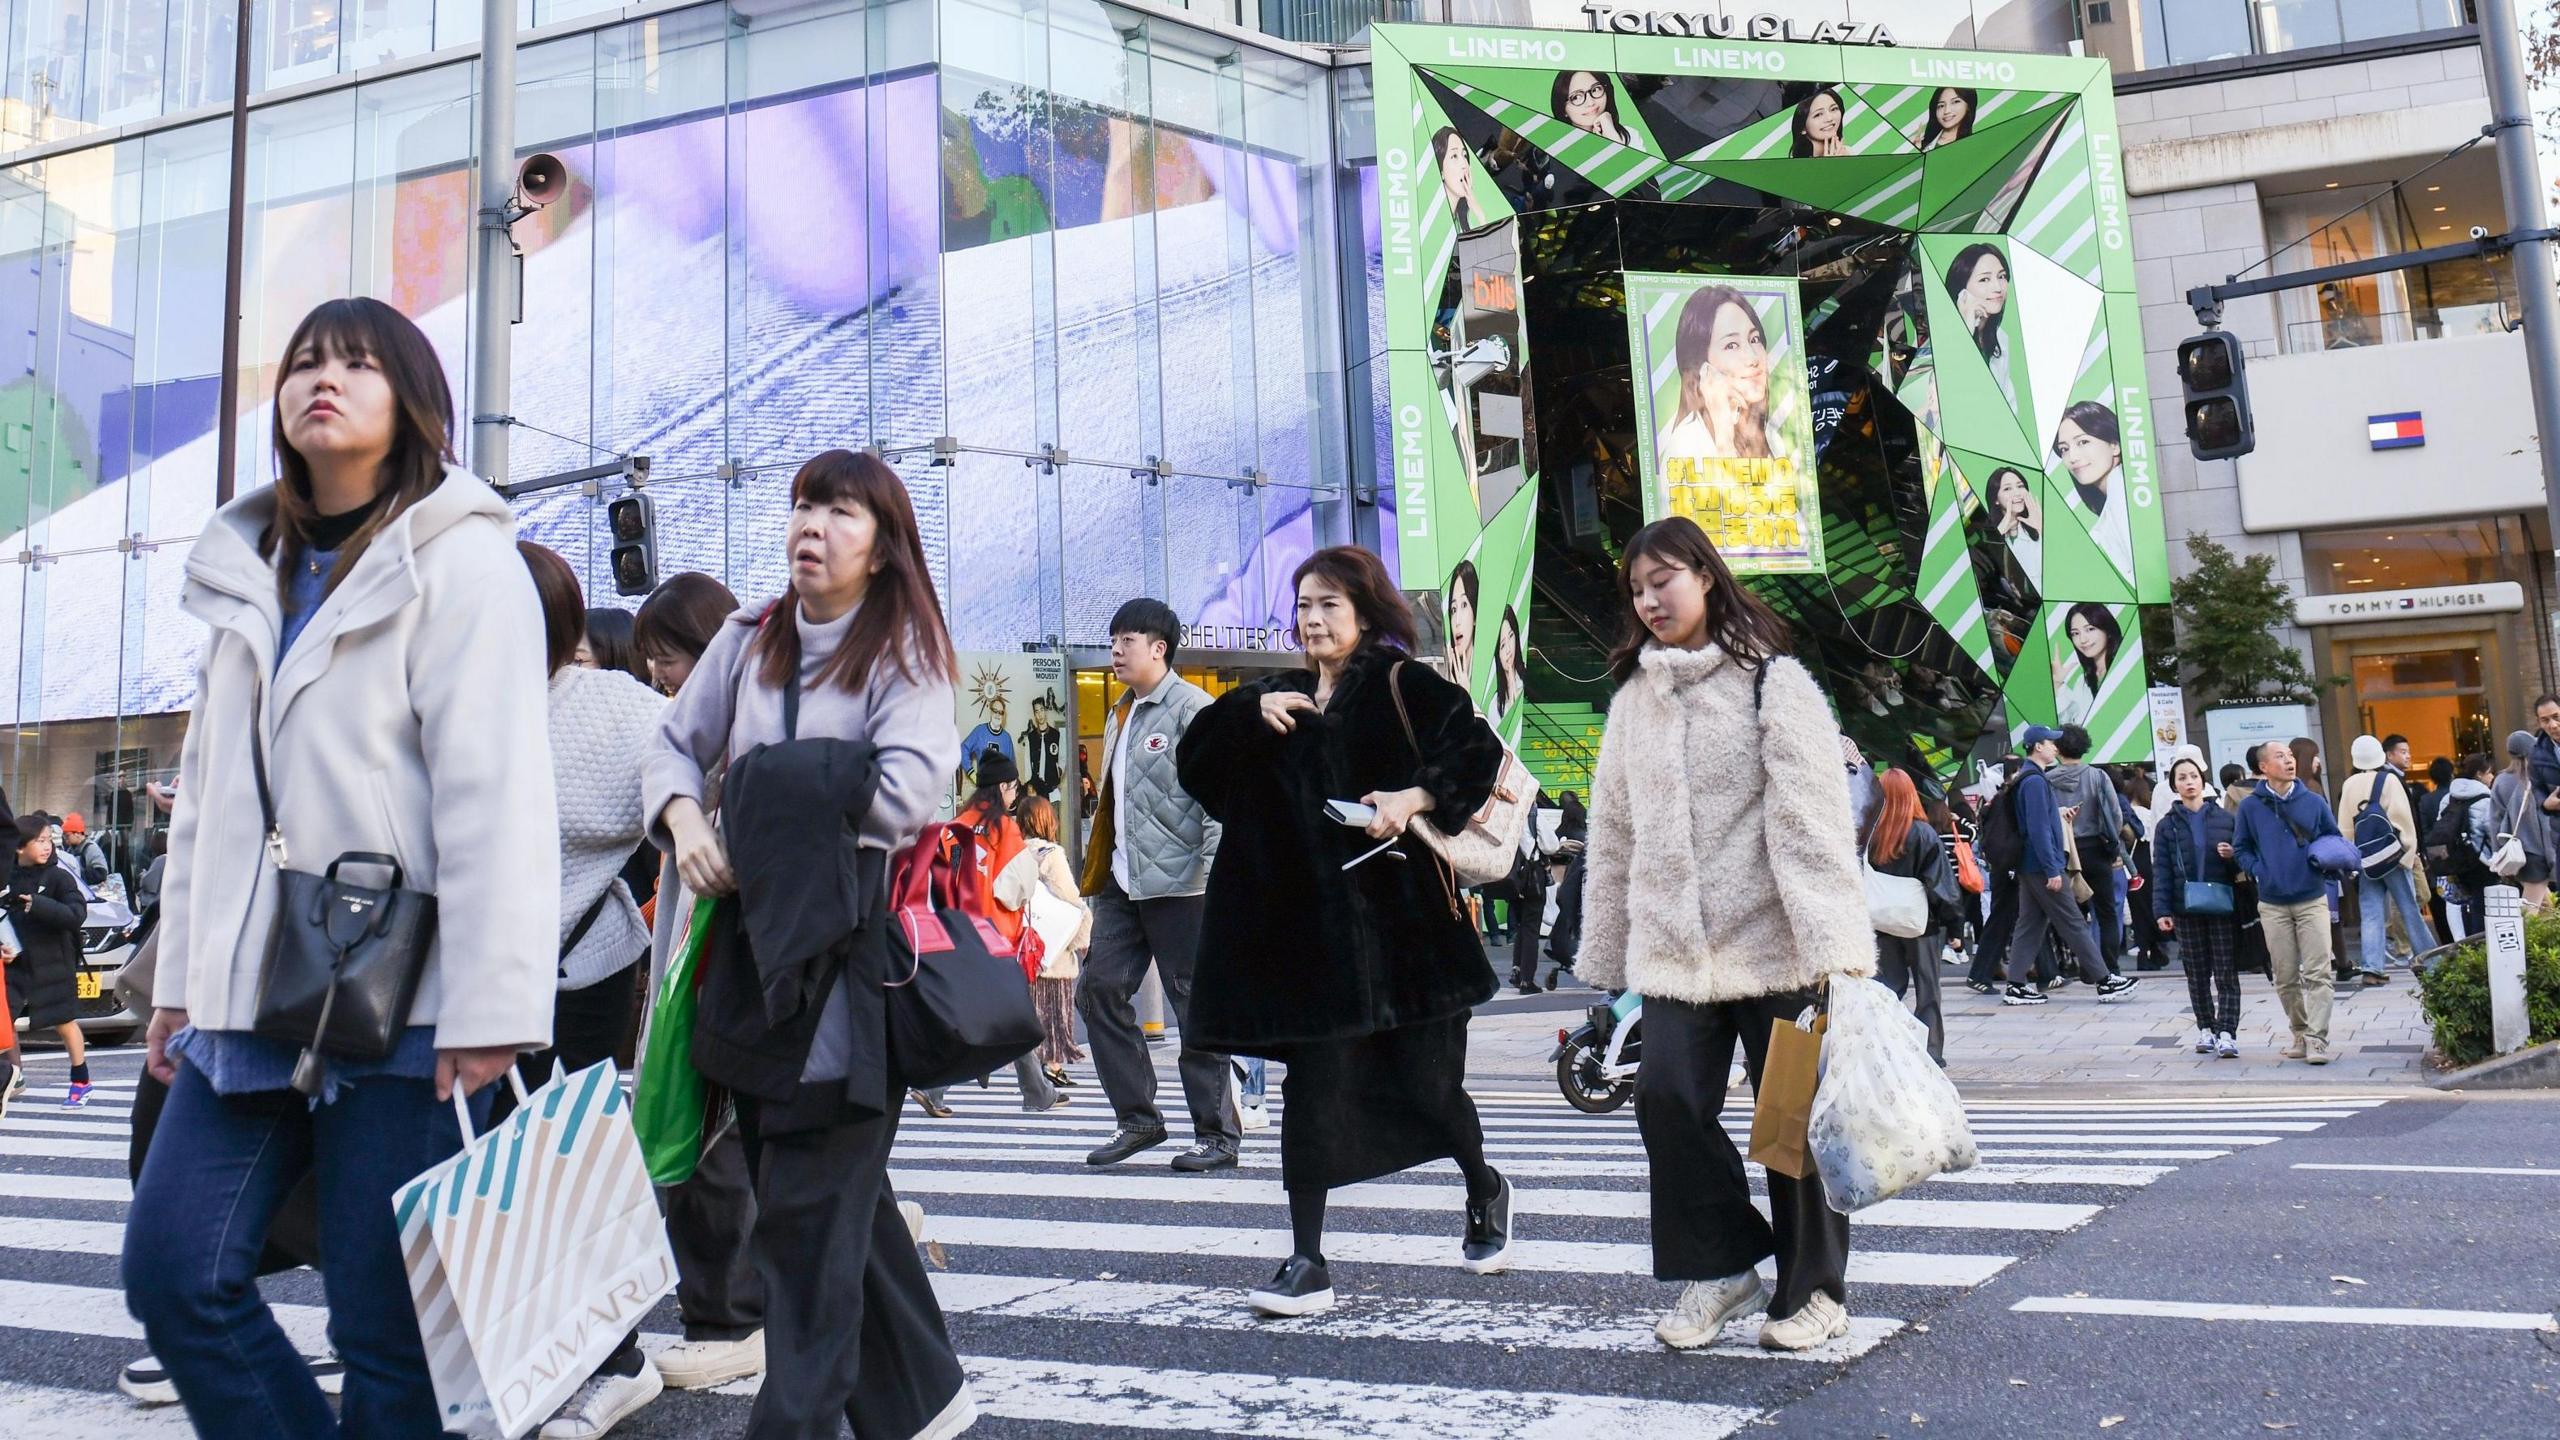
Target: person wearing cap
2045, 905
2274, 829
2377, 784
989, 816
86, 860
2520, 800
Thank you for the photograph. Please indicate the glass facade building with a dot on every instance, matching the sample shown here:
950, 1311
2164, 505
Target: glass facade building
1034, 226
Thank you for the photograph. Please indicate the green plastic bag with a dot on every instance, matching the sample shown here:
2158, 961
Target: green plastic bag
667, 1106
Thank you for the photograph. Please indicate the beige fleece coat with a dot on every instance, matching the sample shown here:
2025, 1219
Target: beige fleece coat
1722, 863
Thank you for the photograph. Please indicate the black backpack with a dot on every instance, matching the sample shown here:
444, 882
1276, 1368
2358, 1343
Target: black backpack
2002, 842
2447, 845
2377, 840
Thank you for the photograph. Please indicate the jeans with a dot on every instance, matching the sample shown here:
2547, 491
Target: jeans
2396, 888
220, 1168
1252, 1079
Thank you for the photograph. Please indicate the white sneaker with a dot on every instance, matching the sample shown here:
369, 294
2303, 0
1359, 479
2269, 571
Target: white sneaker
1822, 1318
701, 1364
913, 1214
2227, 1045
2204, 1041
957, 1416
147, 1383
1254, 1116
1706, 1306
604, 1402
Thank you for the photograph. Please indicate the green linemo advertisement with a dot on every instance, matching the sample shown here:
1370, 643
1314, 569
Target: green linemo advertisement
1880, 341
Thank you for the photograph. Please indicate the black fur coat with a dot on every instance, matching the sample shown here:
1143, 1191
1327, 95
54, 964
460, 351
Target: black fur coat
1293, 948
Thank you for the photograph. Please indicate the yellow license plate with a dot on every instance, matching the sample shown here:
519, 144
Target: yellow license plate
85, 985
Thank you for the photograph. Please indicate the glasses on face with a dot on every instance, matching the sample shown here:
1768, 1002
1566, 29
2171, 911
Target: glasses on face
1595, 95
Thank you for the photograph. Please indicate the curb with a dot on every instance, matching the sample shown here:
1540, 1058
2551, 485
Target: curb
2536, 1067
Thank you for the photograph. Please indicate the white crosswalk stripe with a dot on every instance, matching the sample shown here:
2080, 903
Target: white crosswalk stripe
1051, 1270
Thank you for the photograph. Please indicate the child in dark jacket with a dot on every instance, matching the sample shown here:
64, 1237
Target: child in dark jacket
45, 906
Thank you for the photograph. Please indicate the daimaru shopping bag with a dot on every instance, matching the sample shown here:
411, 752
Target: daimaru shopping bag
532, 1253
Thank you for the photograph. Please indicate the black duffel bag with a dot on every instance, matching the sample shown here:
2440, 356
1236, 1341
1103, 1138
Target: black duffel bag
959, 1005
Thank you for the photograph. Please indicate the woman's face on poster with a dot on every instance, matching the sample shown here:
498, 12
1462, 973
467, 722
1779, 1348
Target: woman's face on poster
2088, 639
1456, 178
1738, 356
1948, 109
1986, 290
1462, 621
2011, 497
1506, 649
1586, 104
2089, 459
1822, 119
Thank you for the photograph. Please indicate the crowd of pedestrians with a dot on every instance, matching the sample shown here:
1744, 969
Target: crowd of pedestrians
388, 671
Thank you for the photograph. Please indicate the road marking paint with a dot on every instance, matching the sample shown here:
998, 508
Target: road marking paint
1988, 1173
98, 1311
2441, 1169
1583, 1257
2293, 1314
42, 1148
20, 1185
68, 1237
69, 1123
2005, 1215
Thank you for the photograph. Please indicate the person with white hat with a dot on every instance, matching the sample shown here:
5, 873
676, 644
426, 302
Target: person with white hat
2377, 788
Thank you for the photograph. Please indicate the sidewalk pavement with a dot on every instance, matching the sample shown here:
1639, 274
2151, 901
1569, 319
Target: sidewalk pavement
2378, 1038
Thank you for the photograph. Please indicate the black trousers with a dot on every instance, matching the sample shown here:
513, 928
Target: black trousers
1704, 1224
1127, 934
1911, 968
2048, 914
709, 1219
852, 1331
2210, 948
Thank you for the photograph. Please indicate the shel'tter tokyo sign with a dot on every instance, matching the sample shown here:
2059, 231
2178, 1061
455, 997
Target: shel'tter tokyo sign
1698, 24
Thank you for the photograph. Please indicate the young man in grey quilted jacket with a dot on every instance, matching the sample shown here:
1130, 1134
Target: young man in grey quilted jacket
1146, 869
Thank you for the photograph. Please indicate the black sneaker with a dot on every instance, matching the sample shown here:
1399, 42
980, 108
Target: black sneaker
2022, 995
1126, 1144
1207, 1155
1980, 987
1300, 1287
1488, 1245
2115, 985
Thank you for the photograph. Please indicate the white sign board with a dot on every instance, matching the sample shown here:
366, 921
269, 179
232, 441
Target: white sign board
2231, 729
2505, 906
2489, 597
2168, 728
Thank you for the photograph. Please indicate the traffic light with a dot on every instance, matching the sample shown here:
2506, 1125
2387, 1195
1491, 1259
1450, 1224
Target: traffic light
2217, 405
635, 550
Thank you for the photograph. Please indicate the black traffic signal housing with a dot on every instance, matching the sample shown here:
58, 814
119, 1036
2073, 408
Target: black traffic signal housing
635, 548
2210, 368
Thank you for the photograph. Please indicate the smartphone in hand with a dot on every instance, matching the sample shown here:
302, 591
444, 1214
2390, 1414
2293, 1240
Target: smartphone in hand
1350, 812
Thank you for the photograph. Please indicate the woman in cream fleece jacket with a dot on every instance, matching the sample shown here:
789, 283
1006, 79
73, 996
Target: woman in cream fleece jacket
1722, 885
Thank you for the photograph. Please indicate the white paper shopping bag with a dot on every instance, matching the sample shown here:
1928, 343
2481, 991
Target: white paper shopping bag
532, 1253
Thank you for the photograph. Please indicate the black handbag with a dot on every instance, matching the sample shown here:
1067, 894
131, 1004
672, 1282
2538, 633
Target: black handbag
344, 960
959, 1006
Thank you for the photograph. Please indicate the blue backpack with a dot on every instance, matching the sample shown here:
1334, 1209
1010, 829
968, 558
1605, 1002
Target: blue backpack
2378, 845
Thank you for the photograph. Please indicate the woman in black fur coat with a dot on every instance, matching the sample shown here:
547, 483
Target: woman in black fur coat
1357, 973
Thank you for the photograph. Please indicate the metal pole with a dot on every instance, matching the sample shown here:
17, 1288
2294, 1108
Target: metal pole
494, 310
226, 425
2520, 174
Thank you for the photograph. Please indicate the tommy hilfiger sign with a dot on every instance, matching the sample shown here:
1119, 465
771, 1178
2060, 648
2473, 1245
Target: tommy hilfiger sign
1697, 24
2490, 597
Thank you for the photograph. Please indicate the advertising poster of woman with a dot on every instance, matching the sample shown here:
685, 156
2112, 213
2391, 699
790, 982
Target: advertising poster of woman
2089, 445
1951, 113
2098, 680
1724, 426
1978, 282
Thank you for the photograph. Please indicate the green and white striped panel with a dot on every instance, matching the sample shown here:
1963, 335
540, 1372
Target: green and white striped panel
2059, 216
1948, 590
1895, 203
1613, 167
1867, 130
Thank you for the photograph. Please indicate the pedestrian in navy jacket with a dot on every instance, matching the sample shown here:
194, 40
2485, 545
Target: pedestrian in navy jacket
2276, 824
2045, 904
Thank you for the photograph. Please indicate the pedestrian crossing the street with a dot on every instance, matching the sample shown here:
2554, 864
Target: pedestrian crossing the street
1089, 1301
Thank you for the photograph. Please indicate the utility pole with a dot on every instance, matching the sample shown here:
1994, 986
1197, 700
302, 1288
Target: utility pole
494, 310
226, 424
2520, 175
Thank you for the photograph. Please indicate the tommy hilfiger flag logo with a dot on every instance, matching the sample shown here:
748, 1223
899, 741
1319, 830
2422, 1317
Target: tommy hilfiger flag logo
2396, 432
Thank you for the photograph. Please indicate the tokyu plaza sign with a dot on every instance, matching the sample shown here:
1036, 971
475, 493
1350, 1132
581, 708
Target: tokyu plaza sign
1711, 25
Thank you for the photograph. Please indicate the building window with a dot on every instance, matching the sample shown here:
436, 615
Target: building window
2187, 32
2324, 224
2415, 557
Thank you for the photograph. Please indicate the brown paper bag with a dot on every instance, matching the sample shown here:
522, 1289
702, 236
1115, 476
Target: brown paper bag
1782, 1108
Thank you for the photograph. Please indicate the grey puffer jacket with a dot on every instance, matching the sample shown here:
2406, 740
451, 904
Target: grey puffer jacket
1170, 839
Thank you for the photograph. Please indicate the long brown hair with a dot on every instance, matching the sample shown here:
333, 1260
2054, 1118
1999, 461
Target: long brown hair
900, 619
421, 428
1737, 620
1040, 818
564, 605
1891, 828
679, 618
1363, 580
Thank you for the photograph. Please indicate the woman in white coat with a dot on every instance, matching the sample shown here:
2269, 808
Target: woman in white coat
371, 563
1722, 884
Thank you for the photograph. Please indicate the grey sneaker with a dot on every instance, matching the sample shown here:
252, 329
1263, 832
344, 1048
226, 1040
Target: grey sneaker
1705, 1307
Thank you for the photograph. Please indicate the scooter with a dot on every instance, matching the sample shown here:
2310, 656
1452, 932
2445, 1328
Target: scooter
1596, 1063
